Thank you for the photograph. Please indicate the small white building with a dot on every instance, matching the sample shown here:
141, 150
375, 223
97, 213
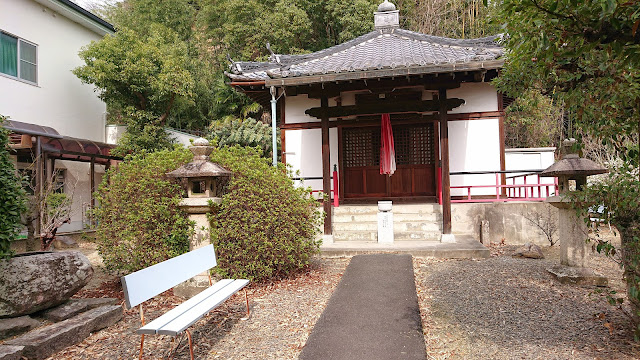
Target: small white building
60, 117
447, 118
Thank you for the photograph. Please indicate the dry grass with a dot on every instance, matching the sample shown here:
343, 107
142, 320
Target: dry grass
512, 308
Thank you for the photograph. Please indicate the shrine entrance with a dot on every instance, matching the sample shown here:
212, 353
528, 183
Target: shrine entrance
416, 154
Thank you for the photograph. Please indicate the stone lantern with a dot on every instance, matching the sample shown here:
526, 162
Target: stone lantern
205, 182
571, 171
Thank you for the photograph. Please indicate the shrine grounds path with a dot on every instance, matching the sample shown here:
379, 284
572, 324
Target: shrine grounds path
373, 314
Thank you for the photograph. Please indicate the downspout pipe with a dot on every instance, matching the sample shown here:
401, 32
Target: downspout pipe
274, 142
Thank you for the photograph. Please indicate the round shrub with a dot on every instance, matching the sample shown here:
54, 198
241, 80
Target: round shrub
139, 221
12, 196
265, 228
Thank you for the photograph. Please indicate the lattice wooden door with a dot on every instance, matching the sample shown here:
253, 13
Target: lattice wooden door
415, 159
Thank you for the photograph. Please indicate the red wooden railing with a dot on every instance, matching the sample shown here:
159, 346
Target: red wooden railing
335, 194
515, 191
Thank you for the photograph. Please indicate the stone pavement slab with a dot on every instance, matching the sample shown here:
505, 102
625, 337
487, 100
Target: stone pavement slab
373, 313
43, 342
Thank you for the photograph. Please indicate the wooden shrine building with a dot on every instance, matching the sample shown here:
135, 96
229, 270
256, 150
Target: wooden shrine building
445, 114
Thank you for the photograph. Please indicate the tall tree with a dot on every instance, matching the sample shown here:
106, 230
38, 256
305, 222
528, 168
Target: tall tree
142, 74
587, 54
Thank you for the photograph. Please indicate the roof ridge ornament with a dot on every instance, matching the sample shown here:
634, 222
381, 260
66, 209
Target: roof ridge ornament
387, 16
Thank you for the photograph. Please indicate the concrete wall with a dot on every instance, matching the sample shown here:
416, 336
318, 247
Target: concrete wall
59, 99
493, 222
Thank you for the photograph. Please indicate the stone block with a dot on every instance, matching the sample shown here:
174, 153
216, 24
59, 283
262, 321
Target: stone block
577, 275
10, 352
64, 242
530, 251
74, 307
15, 326
42, 343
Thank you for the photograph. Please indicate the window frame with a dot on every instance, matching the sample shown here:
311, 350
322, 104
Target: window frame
19, 59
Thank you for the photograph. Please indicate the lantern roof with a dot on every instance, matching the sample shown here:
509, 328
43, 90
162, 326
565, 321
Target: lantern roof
572, 164
200, 166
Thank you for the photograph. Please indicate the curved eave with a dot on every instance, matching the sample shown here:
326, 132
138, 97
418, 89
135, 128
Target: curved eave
382, 73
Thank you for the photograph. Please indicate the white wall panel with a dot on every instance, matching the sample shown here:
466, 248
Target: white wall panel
478, 97
474, 145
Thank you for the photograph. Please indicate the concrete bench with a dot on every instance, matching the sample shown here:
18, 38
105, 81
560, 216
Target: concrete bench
145, 284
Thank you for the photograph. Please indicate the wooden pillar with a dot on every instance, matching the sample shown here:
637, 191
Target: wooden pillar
326, 166
501, 132
38, 191
444, 153
283, 142
92, 175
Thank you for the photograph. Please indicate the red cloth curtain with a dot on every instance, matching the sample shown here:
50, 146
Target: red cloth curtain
387, 150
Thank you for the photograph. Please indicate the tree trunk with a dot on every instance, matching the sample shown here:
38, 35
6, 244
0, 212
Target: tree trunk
31, 242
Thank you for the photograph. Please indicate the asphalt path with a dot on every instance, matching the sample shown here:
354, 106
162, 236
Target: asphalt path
373, 314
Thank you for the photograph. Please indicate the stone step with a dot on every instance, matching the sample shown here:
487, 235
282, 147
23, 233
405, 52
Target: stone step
397, 226
17, 325
42, 343
11, 352
74, 307
397, 209
371, 236
396, 217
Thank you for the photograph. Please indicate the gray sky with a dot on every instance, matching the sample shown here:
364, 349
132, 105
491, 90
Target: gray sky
88, 4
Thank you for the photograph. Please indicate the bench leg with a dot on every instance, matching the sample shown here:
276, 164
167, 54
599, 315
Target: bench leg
246, 298
141, 346
190, 343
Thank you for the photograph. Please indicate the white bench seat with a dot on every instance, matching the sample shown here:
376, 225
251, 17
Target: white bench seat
142, 285
177, 325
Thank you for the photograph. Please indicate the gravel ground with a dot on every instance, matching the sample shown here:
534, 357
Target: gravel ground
499, 308
282, 317
512, 308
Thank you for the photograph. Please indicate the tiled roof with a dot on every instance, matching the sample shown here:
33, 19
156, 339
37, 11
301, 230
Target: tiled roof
390, 48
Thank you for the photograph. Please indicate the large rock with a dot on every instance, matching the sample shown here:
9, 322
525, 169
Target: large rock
39, 281
530, 251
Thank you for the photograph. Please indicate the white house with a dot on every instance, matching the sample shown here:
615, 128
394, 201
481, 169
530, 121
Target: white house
60, 117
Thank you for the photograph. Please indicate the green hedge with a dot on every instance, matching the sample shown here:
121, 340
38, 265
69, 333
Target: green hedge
139, 221
12, 196
265, 228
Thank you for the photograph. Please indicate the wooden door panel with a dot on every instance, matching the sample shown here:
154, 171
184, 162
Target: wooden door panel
423, 180
353, 183
376, 183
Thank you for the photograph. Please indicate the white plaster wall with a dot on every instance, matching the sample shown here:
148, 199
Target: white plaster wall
59, 100
304, 154
530, 159
474, 145
478, 97
295, 106
113, 133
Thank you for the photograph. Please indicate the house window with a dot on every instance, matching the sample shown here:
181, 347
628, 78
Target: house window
18, 58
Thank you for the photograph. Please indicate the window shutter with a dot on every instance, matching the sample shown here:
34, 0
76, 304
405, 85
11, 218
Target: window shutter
28, 62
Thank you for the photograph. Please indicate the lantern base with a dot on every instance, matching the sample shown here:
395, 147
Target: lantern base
577, 275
